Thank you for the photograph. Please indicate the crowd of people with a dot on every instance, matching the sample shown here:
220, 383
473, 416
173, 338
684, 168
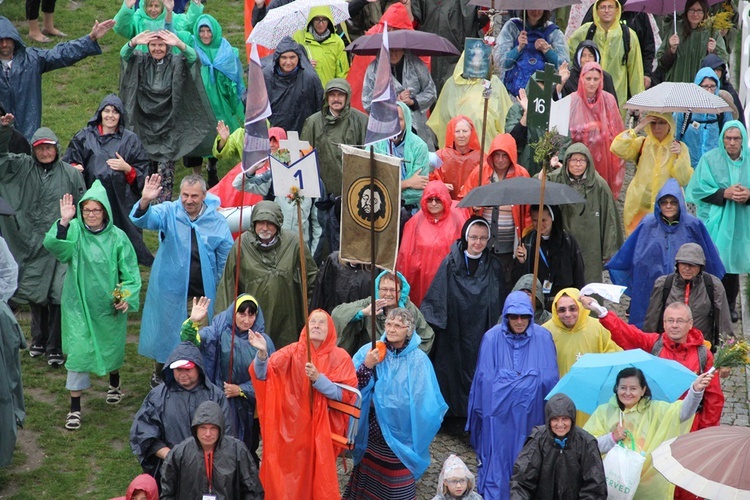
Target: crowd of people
483, 313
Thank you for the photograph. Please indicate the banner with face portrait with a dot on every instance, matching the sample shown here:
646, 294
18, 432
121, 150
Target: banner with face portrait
359, 198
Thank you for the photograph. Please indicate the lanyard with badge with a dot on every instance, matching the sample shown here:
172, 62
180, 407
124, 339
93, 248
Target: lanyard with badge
547, 285
208, 459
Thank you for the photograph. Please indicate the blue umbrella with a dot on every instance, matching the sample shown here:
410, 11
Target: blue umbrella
591, 380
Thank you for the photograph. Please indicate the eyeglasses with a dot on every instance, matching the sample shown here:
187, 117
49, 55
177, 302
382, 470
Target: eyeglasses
659, 123
695, 11
478, 238
457, 480
434, 199
389, 324
320, 20
563, 310
606, 7
578, 161
708, 87
665, 203
516, 317
91, 211
387, 290
676, 321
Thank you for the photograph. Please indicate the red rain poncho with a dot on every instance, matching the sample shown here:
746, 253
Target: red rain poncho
428, 240
596, 124
299, 457
456, 167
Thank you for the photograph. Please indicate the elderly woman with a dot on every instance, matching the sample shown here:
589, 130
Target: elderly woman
595, 121
427, 238
299, 456
401, 413
107, 151
459, 156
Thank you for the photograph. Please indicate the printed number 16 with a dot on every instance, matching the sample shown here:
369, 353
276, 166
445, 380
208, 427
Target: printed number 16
539, 105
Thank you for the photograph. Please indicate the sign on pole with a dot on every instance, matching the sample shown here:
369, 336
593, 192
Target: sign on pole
540, 98
302, 174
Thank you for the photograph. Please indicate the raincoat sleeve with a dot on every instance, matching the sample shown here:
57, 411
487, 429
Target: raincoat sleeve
75, 151
368, 86
428, 94
635, 65
147, 430
8, 272
628, 336
528, 467
258, 184
62, 249
124, 22
170, 474
154, 217
628, 145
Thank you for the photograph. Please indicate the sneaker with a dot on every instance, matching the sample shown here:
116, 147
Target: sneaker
73, 421
36, 350
55, 359
114, 395
155, 380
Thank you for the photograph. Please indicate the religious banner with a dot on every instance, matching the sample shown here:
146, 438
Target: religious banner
383, 121
256, 146
359, 198
477, 55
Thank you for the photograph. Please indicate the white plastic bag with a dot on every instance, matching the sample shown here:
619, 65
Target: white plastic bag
622, 468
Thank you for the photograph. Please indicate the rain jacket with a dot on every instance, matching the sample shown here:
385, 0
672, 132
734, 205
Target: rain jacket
630, 337
165, 307
331, 59
462, 96
340, 282
460, 308
12, 408
131, 21
596, 224
426, 240
571, 86
21, 94
513, 372
416, 78
234, 474
91, 149
456, 167
294, 96
541, 315
681, 66
655, 163
596, 124
356, 329
727, 222
702, 130
586, 336
34, 192
299, 457
166, 103
628, 79
454, 467
650, 250
414, 156
271, 274
142, 482
550, 468
325, 132
93, 332
407, 402
215, 343
165, 417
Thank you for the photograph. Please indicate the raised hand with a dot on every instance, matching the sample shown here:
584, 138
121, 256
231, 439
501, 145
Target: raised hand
143, 38
258, 341
200, 309
564, 72
168, 5
67, 209
6, 119
222, 130
169, 38
100, 29
129, 4
702, 381
151, 188
523, 99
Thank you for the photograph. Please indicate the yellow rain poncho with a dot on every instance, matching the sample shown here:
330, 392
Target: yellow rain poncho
462, 96
654, 165
587, 335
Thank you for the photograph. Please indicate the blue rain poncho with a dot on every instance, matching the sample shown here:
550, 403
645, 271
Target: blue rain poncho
650, 250
408, 405
514, 373
728, 223
166, 300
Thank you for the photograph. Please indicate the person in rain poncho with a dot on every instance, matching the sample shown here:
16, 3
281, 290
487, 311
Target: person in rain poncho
560, 460
459, 156
541, 315
427, 238
587, 51
219, 348
194, 244
596, 224
299, 456
463, 96
464, 300
701, 131
456, 481
720, 68
650, 250
595, 121
154, 15
33, 185
575, 334
719, 188
646, 421
143, 487
517, 367
402, 408
324, 47
658, 156
210, 463
353, 319
12, 408
101, 284
107, 151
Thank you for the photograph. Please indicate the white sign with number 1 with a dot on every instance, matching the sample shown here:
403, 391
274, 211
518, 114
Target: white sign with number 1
303, 174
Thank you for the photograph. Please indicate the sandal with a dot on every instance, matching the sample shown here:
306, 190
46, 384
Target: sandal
73, 421
56, 33
39, 38
114, 395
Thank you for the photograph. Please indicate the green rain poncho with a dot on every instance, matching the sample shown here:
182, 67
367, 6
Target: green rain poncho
683, 65
93, 332
728, 223
129, 21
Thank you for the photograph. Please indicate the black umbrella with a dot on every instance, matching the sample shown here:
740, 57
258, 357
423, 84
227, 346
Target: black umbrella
5, 208
420, 43
521, 191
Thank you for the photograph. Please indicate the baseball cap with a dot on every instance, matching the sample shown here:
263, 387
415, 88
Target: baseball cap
182, 364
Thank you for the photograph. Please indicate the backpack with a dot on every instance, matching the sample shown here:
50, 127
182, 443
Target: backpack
625, 44
702, 353
709, 284
529, 60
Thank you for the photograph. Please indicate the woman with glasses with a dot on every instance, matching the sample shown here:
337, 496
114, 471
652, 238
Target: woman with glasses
324, 47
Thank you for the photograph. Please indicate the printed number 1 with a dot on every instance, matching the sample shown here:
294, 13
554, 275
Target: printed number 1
298, 176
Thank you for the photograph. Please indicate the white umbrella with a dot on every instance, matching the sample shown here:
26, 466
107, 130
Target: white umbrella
671, 97
287, 19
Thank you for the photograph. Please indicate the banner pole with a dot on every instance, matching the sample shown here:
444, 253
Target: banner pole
303, 281
372, 249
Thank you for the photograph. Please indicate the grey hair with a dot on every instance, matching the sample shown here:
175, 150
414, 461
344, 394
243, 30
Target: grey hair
680, 306
402, 314
192, 179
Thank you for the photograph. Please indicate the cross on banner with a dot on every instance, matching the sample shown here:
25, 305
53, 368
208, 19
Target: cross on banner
540, 99
294, 145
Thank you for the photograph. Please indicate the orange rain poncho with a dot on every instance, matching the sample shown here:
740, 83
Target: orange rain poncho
299, 457
596, 124
456, 167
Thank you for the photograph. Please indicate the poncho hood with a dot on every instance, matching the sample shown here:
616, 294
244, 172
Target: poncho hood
7, 30
505, 143
397, 17
450, 133
669, 118
288, 45
46, 133
558, 405
590, 172
525, 283
209, 412
407, 119
704, 73
342, 85
403, 298
146, 483
671, 188
590, 66
583, 313
455, 468
96, 193
744, 155
618, 14
184, 350
267, 211
320, 11
109, 100
586, 44
517, 303
432, 190
690, 253
216, 32
330, 342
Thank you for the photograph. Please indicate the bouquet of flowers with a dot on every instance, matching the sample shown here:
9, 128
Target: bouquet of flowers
547, 146
731, 353
294, 195
721, 20
119, 295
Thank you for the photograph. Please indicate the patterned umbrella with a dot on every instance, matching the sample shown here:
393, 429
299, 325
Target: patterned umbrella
670, 97
523, 4
284, 21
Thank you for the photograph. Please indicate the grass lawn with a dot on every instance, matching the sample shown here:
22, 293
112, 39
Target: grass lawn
96, 461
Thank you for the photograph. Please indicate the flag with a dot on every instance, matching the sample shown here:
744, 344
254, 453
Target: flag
257, 109
359, 198
383, 121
